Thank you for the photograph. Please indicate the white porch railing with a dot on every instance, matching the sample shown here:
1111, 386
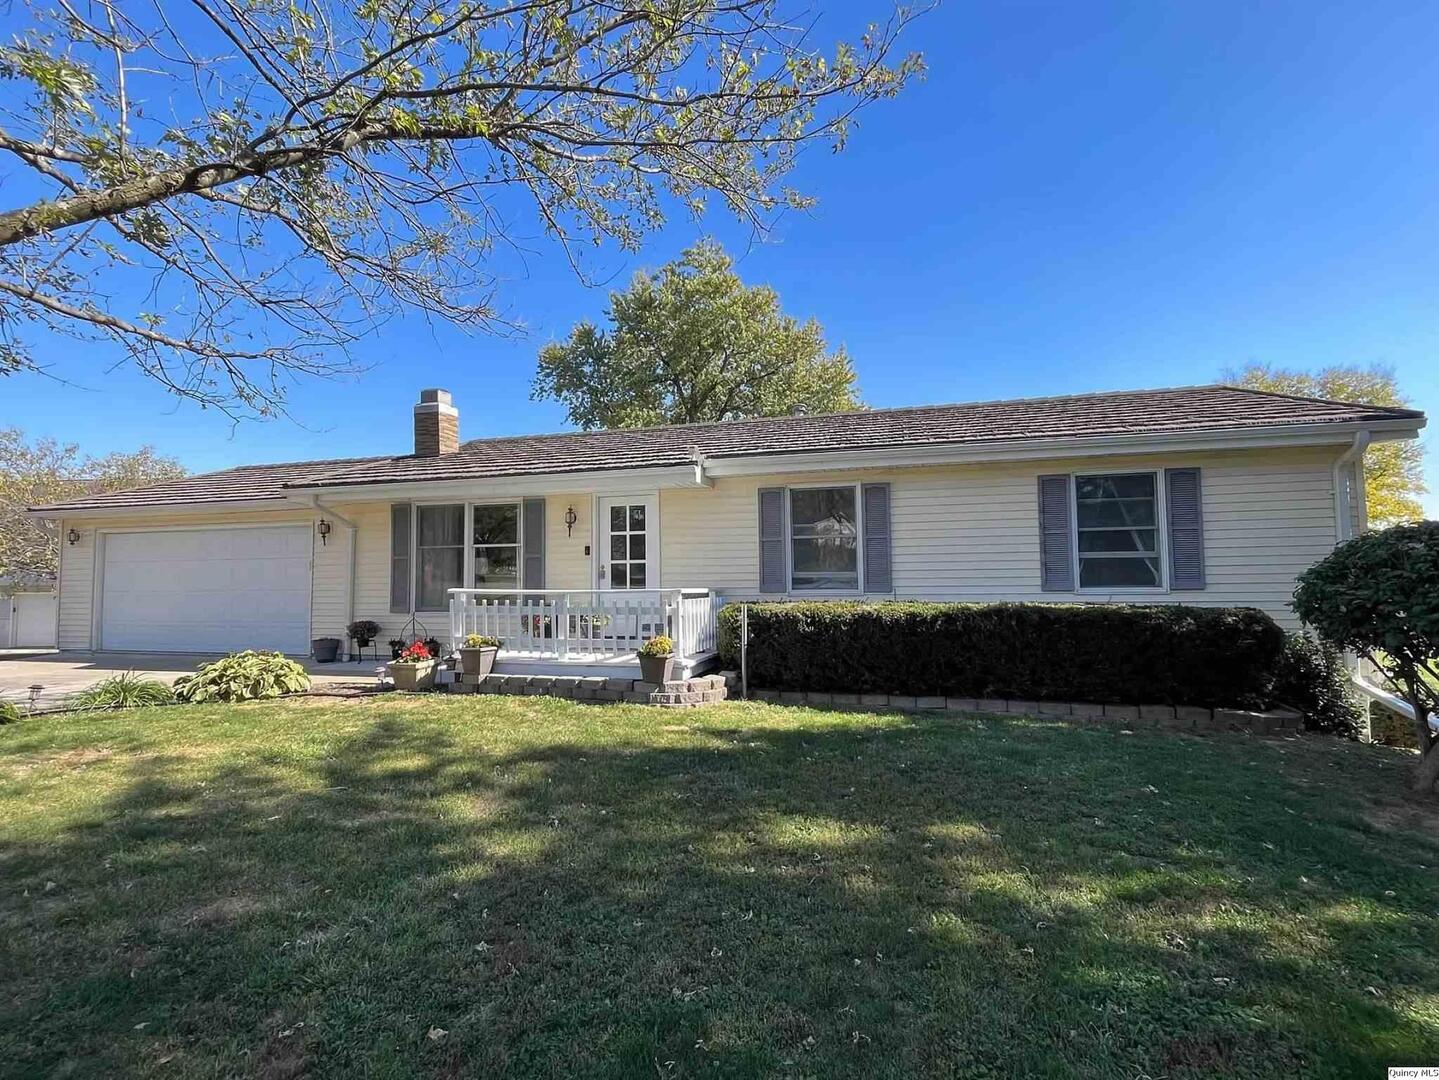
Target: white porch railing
566, 624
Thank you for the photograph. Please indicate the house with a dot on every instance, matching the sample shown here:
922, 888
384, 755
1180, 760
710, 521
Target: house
575, 547
28, 609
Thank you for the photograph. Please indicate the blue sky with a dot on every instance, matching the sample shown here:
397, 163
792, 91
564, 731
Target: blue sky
1079, 197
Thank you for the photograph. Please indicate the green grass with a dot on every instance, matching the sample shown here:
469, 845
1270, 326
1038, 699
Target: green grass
311, 888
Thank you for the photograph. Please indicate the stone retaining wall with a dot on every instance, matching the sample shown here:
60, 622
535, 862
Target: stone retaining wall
680, 693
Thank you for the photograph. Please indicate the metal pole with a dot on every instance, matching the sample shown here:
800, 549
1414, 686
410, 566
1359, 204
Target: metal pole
744, 651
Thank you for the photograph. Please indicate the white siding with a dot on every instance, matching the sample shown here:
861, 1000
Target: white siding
960, 533
972, 532
566, 564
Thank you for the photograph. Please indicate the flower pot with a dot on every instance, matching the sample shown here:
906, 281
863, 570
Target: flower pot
478, 661
325, 649
656, 669
416, 676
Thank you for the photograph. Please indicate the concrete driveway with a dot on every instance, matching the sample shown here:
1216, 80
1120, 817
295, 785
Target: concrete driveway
61, 674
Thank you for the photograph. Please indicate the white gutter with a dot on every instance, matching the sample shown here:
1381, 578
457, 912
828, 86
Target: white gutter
353, 530
1031, 449
1343, 473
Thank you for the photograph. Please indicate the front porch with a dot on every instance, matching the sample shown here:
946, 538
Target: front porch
588, 632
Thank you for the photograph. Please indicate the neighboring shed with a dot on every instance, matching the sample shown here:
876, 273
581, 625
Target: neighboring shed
29, 608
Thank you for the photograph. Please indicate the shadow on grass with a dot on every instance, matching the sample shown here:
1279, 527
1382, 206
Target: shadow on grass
855, 897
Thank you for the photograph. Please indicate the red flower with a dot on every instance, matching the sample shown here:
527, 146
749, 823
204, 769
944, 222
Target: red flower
414, 651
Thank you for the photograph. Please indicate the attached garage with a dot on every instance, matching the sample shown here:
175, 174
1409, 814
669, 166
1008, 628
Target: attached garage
205, 590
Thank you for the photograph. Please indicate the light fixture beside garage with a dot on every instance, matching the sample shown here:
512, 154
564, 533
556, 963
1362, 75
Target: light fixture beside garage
323, 528
570, 518
73, 536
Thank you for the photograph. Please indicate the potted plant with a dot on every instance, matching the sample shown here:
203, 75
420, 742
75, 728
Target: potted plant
414, 668
363, 631
325, 650
657, 659
436, 649
397, 646
477, 654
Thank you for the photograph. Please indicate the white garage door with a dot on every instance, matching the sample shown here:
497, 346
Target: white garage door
207, 590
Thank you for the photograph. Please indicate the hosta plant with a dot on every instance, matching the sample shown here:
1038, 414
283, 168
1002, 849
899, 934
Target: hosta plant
243, 677
124, 691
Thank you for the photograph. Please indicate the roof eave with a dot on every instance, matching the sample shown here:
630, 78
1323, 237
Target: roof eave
224, 506
1311, 434
602, 481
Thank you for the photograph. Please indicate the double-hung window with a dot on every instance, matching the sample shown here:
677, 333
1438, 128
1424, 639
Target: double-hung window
824, 539
1116, 517
497, 546
439, 555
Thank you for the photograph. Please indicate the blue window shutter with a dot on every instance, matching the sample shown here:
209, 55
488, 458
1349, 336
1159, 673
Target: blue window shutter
878, 575
400, 578
1056, 556
532, 574
773, 568
1184, 500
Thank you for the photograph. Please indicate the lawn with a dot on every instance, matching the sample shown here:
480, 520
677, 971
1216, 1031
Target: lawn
482, 886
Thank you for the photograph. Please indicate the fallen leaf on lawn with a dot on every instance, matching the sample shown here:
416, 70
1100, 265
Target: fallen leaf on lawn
436, 1033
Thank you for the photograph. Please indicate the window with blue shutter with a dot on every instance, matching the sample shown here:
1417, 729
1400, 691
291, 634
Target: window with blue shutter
1185, 503
1056, 559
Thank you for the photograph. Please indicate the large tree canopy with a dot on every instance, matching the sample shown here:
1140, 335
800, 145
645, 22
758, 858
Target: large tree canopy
234, 190
1393, 471
690, 343
44, 471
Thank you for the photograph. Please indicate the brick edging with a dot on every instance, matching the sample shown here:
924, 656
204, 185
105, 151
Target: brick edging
1167, 717
676, 694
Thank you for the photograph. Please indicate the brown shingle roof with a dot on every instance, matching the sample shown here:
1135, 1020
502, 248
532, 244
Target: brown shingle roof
1139, 412
244, 483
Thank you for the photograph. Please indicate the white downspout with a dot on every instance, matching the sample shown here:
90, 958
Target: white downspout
353, 531
1343, 515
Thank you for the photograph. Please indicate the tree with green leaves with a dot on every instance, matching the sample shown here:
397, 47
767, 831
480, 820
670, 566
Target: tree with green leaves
235, 191
1393, 471
1378, 596
692, 342
45, 471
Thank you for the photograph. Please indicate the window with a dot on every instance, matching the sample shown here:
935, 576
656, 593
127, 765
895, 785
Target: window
628, 538
439, 555
1117, 521
497, 546
824, 540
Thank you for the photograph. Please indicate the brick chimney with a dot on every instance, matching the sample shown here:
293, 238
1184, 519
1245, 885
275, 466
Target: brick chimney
437, 424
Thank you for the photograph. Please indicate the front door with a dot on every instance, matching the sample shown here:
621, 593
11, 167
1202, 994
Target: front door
629, 561
629, 549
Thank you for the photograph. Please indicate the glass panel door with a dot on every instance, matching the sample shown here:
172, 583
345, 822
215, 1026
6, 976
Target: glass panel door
627, 547
629, 560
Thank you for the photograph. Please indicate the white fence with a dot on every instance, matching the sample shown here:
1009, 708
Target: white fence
565, 624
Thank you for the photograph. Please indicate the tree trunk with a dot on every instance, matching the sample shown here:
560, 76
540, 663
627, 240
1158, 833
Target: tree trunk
1427, 773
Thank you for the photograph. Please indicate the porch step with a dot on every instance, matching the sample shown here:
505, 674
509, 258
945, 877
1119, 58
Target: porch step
680, 693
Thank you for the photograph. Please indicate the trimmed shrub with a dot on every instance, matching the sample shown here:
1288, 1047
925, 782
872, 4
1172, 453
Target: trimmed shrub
1312, 678
124, 691
243, 677
1127, 654
9, 714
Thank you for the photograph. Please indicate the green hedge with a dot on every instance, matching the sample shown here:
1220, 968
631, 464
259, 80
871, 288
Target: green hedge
1128, 654
1312, 678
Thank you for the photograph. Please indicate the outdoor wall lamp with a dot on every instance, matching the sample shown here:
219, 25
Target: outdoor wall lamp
570, 518
73, 536
323, 528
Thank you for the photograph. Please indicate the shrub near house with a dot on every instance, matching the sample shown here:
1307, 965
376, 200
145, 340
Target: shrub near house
1159, 654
